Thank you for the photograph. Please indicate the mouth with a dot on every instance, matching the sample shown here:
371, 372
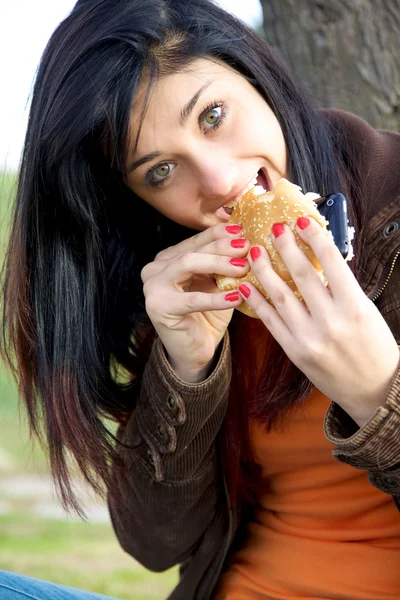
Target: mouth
261, 179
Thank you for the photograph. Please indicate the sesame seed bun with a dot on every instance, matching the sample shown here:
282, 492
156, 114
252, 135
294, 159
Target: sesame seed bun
257, 211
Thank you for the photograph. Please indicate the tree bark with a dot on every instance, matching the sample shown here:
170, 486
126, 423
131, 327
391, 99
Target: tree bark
347, 52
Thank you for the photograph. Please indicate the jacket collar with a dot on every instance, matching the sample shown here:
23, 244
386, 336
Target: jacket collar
382, 237
376, 156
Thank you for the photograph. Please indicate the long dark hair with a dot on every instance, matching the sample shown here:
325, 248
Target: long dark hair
75, 330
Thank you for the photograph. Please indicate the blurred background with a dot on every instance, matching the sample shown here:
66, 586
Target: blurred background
36, 537
347, 55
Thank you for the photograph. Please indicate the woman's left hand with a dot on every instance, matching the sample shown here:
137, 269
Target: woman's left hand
343, 344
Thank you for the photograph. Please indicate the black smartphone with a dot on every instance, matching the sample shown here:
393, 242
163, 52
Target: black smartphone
334, 208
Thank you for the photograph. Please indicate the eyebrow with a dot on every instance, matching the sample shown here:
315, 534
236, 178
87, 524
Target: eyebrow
185, 114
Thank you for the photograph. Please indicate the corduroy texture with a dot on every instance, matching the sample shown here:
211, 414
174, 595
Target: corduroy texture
358, 447
189, 413
169, 506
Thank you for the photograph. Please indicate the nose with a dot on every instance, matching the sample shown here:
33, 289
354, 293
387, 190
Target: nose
217, 176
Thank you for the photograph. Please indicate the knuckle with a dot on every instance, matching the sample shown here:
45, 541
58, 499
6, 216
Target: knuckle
145, 273
169, 253
313, 352
195, 242
334, 331
192, 302
279, 299
266, 320
187, 260
151, 304
147, 288
162, 255
150, 271
300, 274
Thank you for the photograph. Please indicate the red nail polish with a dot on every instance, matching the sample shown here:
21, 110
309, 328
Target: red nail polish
239, 262
234, 229
278, 229
255, 253
245, 290
239, 243
232, 296
303, 222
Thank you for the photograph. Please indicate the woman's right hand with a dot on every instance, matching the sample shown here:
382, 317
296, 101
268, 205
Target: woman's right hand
183, 302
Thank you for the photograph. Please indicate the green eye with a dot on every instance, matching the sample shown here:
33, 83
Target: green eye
163, 170
213, 116
159, 175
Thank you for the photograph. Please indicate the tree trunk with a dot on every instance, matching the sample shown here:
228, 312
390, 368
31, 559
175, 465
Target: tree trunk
347, 52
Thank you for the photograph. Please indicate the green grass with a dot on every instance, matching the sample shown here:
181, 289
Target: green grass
7, 193
14, 437
13, 426
78, 554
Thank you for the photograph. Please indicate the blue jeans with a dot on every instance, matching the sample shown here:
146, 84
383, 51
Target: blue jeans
19, 587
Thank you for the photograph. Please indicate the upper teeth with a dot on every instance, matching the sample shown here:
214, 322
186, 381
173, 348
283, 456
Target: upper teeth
231, 204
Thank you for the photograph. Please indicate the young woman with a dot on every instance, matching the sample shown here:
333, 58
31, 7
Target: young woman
147, 118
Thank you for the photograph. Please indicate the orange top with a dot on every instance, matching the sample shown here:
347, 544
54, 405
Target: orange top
321, 530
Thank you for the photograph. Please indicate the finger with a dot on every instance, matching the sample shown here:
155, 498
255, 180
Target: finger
152, 269
196, 263
227, 247
203, 238
268, 315
306, 278
342, 282
237, 247
177, 303
288, 306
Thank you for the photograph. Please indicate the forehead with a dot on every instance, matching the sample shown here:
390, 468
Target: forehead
169, 93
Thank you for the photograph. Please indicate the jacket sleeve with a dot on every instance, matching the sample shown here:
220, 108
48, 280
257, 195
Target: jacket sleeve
163, 500
374, 447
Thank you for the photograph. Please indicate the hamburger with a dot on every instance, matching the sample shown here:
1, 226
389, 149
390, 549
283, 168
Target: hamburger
257, 211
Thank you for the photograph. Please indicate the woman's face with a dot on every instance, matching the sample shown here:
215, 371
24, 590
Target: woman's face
206, 135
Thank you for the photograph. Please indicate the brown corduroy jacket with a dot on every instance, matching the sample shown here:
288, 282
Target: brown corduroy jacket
174, 506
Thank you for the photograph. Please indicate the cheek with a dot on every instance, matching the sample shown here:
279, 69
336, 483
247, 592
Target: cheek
263, 135
269, 137
173, 201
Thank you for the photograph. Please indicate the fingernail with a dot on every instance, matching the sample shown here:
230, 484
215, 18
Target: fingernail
239, 262
245, 290
232, 297
278, 229
303, 222
255, 253
239, 243
234, 229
